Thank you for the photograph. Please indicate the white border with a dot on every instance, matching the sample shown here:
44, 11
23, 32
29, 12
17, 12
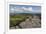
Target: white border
21, 30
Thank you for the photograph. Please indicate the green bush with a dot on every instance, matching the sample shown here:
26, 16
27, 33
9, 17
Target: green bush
16, 19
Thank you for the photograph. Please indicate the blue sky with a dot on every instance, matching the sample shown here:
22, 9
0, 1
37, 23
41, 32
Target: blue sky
24, 8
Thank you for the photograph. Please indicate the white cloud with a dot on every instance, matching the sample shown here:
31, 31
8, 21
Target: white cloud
27, 9
19, 9
30, 9
22, 9
12, 9
36, 11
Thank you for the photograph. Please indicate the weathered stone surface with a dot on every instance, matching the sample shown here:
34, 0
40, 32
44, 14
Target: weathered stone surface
26, 24
33, 23
30, 23
17, 27
12, 27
